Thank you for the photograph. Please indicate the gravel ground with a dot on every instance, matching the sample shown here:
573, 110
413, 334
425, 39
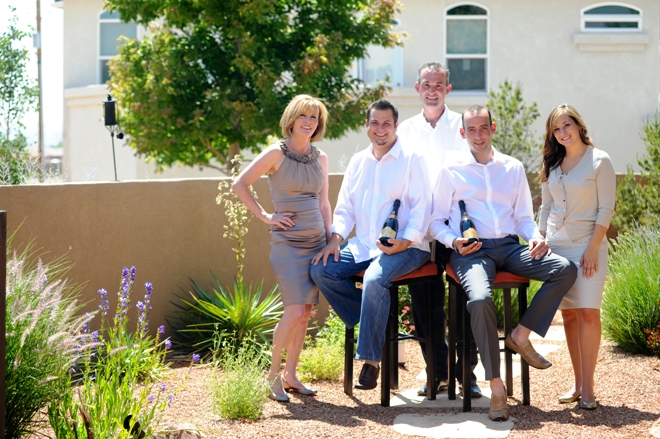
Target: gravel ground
628, 388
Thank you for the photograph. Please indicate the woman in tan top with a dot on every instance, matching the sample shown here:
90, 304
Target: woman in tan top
578, 191
298, 177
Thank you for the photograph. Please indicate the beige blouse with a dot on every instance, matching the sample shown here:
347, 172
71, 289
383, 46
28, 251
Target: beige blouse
574, 203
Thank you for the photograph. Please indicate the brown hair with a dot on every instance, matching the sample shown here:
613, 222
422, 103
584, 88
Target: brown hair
302, 104
554, 152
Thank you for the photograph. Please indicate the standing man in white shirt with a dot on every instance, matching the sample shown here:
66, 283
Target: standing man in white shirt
374, 179
431, 133
496, 193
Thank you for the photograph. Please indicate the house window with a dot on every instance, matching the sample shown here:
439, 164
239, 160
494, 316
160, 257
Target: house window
617, 18
110, 29
466, 47
381, 63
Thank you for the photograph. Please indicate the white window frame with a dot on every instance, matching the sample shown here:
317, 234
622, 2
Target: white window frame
584, 18
485, 56
100, 57
358, 67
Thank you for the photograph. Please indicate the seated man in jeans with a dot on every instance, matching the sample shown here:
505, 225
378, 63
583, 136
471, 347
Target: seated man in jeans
374, 179
496, 193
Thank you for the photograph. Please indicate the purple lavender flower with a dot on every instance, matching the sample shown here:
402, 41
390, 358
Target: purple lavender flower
149, 287
195, 358
132, 274
161, 329
104, 305
163, 387
95, 336
168, 344
169, 399
124, 273
151, 398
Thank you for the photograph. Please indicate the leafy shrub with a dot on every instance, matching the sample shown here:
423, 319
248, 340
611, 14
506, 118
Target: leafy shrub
653, 339
638, 200
632, 292
42, 330
117, 375
240, 391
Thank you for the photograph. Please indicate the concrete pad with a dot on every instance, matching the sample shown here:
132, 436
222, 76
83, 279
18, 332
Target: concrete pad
555, 333
655, 428
456, 425
410, 398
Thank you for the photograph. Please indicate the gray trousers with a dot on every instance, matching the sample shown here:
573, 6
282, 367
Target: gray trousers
476, 273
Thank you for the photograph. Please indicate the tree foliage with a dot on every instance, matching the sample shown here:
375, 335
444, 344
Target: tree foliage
514, 118
18, 94
212, 78
638, 199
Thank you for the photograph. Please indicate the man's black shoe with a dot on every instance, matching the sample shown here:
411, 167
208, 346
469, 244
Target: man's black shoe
442, 385
474, 389
368, 377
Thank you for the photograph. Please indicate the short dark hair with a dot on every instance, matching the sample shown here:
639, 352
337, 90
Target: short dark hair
475, 109
383, 104
433, 66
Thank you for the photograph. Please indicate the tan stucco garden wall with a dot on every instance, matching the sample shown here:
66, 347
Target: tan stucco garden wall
169, 229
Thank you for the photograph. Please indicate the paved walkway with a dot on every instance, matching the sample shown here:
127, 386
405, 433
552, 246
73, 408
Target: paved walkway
464, 425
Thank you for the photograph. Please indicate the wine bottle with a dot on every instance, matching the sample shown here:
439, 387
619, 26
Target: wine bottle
466, 225
391, 225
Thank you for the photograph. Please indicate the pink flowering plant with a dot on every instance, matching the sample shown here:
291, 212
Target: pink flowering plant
118, 393
406, 325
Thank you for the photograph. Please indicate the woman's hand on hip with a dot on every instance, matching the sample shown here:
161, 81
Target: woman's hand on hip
282, 220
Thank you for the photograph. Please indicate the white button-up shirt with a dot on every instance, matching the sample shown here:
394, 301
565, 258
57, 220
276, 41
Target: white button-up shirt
496, 195
367, 194
433, 143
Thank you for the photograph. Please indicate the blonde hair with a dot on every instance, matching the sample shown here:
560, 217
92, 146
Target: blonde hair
302, 104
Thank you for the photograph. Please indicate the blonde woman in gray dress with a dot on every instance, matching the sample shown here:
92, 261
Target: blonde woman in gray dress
299, 227
578, 191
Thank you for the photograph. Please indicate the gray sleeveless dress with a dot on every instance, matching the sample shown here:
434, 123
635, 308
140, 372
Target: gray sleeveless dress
295, 188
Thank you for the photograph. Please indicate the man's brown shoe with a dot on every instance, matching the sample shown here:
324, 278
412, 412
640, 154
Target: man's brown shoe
527, 352
368, 377
498, 410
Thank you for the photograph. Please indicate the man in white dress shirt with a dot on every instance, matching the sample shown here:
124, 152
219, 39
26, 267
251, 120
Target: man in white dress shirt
496, 193
374, 179
433, 132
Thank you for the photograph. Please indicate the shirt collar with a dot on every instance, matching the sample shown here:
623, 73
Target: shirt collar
395, 151
444, 119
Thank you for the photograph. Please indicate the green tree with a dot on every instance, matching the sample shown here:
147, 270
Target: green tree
18, 94
638, 199
514, 118
213, 77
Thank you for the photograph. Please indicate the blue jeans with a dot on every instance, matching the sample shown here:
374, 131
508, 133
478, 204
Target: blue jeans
370, 305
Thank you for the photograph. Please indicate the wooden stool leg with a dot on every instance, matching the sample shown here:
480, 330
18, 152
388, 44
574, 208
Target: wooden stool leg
467, 354
431, 389
508, 357
453, 327
386, 369
349, 338
394, 334
524, 367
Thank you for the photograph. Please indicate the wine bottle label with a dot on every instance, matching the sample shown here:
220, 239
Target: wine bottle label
470, 233
387, 232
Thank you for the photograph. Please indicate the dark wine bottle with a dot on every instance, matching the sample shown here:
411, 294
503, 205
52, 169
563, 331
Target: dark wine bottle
467, 226
391, 225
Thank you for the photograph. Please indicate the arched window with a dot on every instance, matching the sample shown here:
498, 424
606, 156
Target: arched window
466, 46
611, 17
110, 29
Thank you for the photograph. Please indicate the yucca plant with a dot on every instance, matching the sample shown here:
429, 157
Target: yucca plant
240, 315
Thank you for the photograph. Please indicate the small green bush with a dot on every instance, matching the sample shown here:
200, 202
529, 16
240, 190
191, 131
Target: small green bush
321, 361
632, 292
240, 391
42, 331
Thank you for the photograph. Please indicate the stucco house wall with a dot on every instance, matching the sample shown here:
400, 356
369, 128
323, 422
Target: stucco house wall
612, 78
